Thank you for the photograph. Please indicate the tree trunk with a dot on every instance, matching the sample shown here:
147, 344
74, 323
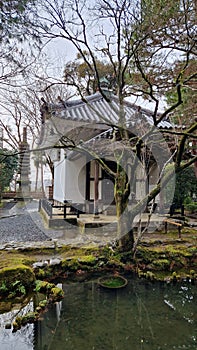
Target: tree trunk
124, 230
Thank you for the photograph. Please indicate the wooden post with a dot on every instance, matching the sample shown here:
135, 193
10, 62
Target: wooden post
96, 191
166, 227
39, 205
177, 224
51, 211
65, 206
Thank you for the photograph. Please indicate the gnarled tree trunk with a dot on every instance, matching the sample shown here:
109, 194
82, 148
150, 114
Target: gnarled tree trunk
121, 191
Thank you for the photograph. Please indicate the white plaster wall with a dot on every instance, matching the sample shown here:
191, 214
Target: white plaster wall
75, 184
59, 175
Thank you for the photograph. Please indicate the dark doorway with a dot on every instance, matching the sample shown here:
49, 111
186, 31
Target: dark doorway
108, 184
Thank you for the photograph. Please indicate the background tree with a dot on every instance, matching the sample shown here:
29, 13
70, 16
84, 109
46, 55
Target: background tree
21, 108
18, 41
8, 167
21, 71
186, 186
80, 75
14, 16
186, 112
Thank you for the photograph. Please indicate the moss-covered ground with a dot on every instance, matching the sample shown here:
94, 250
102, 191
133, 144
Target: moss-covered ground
158, 253
159, 256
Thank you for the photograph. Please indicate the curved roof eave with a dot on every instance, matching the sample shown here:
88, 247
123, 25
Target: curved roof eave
94, 112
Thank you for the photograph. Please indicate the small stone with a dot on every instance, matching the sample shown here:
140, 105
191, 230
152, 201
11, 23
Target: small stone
39, 264
54, 262
8, 326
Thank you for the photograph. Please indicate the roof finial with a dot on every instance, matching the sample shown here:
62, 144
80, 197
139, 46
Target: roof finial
105, 86
104, 82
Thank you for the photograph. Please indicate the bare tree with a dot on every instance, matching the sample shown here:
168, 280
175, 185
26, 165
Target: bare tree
142, 41
21, 109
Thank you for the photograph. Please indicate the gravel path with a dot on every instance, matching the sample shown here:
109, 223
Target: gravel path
24, 224
20, 229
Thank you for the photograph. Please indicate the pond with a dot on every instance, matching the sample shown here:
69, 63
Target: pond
143, 315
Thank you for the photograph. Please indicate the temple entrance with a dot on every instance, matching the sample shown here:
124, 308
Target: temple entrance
105, 183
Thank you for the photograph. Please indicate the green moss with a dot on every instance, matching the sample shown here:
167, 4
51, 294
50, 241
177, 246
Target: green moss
68, 252
41, 274
115, 263
3, 287
151, 253
43, 286
87, 259
160, 252
112, 282
147, 254
47, 273
40, 285
17, 323
5, 306
49, 289
56, 293
30, 317
13, 258
43, 304
180, 251
175, 277
71, 264
150, 275
161, 264
16, 280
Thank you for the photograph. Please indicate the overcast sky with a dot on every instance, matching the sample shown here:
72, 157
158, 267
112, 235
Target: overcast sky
59, 51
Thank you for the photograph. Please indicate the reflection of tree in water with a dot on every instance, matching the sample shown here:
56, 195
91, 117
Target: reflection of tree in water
22, 339
143, 322
134, 317
142, 316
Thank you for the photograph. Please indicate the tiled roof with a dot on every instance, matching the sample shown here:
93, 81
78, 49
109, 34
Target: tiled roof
82, 120
95, 109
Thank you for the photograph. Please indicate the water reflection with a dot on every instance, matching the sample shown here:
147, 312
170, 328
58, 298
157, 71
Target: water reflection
141, 316
24, 338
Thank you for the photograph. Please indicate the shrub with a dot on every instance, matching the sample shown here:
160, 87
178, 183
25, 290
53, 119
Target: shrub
191, 207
